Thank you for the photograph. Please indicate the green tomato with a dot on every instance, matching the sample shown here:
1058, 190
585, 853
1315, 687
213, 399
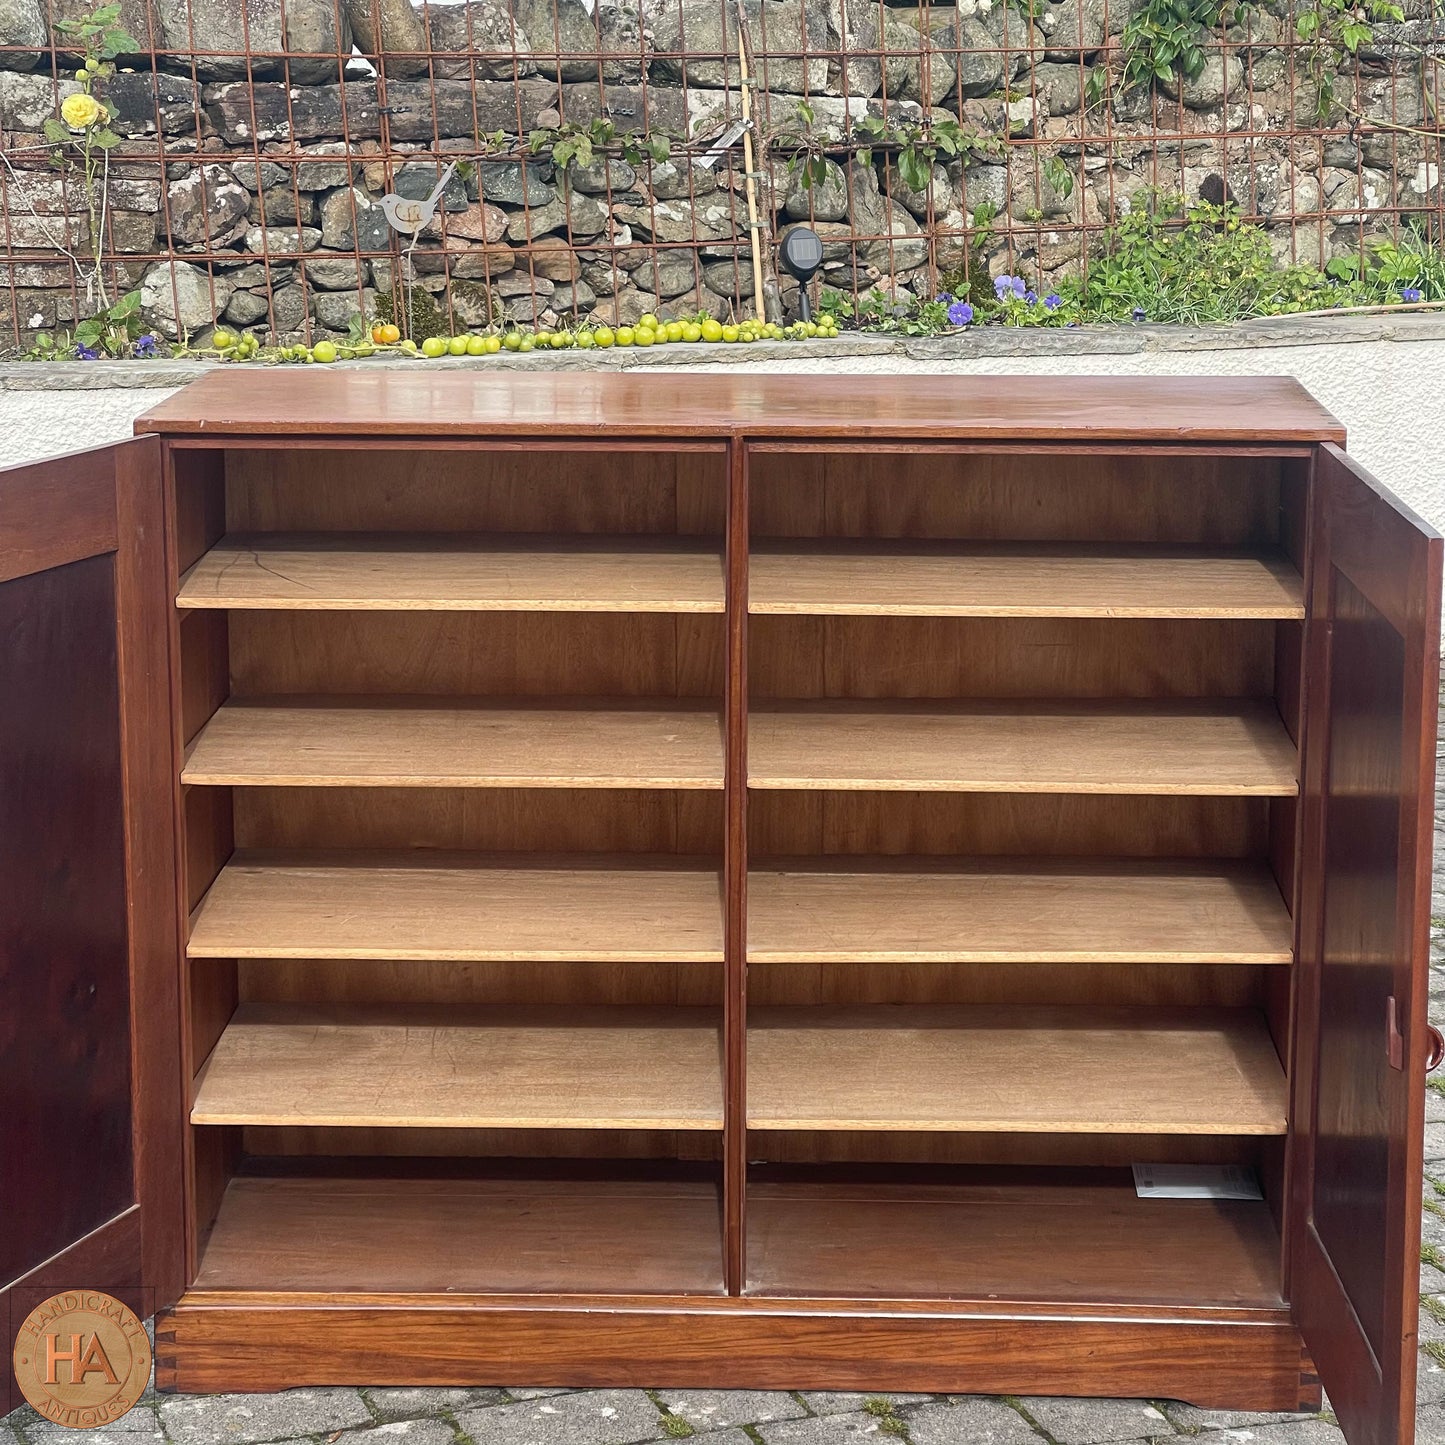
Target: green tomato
324, 351
512, 341
476, 346
434, 346
458, 345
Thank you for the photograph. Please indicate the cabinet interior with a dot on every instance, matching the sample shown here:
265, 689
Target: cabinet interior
1020, 854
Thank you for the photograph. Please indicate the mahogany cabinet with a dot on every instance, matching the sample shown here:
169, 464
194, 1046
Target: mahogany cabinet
714, 879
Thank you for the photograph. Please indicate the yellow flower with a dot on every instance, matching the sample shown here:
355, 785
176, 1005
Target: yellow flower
81, 111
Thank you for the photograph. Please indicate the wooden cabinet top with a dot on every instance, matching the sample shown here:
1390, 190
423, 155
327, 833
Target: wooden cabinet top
427, 402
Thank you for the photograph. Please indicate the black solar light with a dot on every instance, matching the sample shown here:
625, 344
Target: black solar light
803, 259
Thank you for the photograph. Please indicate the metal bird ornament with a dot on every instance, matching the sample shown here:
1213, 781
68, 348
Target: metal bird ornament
409, 217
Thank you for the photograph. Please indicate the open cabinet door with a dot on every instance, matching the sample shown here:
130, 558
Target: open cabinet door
1361, 1045
91, 1098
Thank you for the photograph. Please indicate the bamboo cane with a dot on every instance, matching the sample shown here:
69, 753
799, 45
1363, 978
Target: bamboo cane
750, 164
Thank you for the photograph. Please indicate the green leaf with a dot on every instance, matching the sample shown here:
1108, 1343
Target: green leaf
104, 139
915, 168
805, 113
56, 132
128, 305
864, 156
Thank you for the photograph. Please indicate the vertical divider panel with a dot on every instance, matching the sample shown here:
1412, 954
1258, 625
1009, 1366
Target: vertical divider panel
735, 874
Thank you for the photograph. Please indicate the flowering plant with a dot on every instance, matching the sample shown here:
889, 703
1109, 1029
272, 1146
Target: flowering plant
83, 132
1020, 305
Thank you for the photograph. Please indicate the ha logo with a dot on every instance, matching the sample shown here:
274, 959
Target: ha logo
82, 1359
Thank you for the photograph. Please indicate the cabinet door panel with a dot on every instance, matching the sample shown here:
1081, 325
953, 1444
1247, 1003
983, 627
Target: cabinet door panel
90, 1126
1362, 982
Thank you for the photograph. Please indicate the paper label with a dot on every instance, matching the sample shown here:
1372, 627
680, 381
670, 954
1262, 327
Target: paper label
1195, 1181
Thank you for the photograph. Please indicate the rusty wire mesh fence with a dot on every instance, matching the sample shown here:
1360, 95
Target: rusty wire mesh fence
259, 153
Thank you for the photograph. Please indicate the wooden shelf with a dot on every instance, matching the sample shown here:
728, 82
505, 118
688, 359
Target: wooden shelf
476, 907
458, 572
929, 579
425, 1066
919, 910
482, 1236
421, 743
1081, 1237
1011, 1069
1195, 748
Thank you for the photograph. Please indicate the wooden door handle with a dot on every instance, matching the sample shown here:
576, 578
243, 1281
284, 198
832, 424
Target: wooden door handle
1437, 1049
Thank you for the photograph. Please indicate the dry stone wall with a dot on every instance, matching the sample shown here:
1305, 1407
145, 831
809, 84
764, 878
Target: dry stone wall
258, 139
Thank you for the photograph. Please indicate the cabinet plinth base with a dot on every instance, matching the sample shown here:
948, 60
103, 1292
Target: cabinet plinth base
1243, 1359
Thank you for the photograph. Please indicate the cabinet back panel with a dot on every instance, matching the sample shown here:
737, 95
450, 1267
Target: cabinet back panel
520, 820
1223, 500
843, 1147
1066, 825
1008, 657
479, 654
692, 1144
1022, 983
348, 981
536, 490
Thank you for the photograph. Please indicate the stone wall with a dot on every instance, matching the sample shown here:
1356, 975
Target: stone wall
254, 155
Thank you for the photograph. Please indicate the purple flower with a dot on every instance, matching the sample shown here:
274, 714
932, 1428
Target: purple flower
1002, 284
1019, 286
960, 313
146, 346
1410, 293
1031, 297
944, 298
1053, 300
1138, 313
86, 353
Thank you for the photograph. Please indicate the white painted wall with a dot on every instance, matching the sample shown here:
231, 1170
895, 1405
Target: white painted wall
1390, 394
38, 424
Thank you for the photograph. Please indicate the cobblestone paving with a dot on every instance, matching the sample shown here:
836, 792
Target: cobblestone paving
515, 1415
